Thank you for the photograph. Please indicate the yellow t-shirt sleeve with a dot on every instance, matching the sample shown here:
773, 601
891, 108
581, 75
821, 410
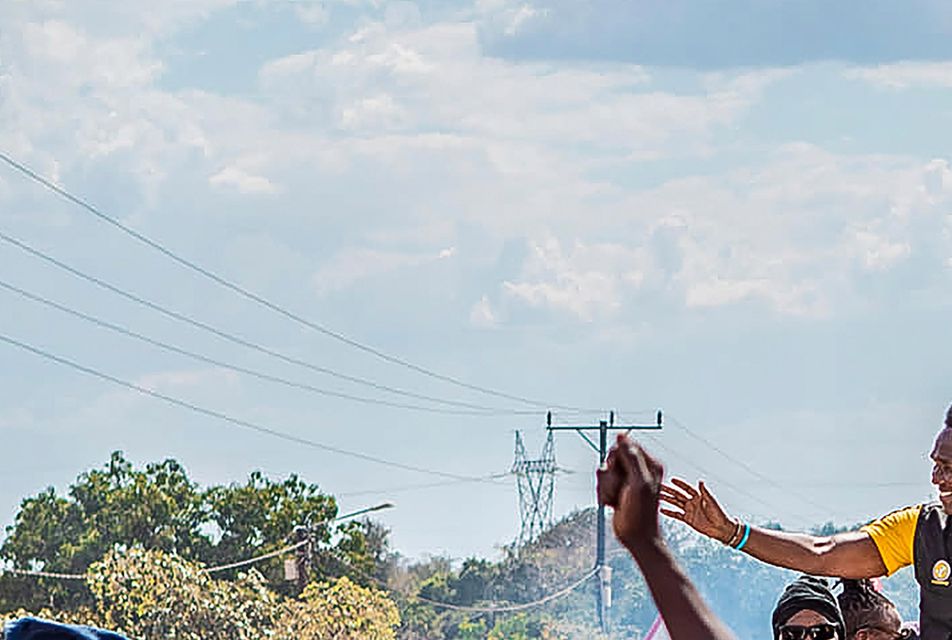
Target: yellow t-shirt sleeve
893, 535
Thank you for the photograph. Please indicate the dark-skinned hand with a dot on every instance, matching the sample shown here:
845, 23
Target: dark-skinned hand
697, 508
630, 483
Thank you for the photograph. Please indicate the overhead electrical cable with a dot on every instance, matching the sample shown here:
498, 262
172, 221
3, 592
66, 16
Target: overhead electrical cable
260, 300
752, 471
54, 575
493, 478
246, 424
655, 439
230, 337
232, 367
498, 608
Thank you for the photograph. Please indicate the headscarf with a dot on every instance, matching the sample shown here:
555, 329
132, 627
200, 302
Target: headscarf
807, 592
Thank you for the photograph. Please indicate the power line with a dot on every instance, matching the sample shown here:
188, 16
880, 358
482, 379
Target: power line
676, 454
215, 569
53, 575
250, 295
229, 419
503, 608
561, 593
751, 470
180, 317
256, 559
225, 365
492, 479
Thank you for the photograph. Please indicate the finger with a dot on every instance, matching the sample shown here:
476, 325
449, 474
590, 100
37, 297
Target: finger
674, 503
627, 455
607, 486
654, 465
667, 488
684, 486
677, 515
705, 491
672, 497
674, 492
643, 471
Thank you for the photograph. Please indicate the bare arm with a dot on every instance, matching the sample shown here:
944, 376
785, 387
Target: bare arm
844, 555
630, 484
685, 613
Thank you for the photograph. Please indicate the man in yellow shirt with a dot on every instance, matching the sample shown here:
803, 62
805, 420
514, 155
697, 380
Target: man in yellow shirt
917, 535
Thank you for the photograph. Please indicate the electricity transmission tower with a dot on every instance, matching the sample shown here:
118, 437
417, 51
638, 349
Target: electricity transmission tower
536, 482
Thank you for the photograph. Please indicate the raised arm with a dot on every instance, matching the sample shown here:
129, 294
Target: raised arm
844, 555
630, 483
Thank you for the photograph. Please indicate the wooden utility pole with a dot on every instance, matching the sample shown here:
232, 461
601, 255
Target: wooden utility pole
604, 596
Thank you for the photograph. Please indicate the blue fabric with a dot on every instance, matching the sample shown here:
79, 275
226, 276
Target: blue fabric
35, 629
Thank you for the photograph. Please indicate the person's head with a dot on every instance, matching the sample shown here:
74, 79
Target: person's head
868, 614
807, 610
942, 463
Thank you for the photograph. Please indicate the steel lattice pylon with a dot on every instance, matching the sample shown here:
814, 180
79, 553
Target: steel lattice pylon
536, 482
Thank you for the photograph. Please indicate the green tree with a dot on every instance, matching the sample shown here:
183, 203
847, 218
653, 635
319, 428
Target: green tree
154, 594
339, 609
260, 515
159, 507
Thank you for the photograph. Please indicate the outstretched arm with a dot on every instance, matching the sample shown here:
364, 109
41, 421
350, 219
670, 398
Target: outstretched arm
844, 555
630, 483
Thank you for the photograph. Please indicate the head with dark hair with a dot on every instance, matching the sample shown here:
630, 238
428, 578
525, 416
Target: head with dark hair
868, 614
942, 463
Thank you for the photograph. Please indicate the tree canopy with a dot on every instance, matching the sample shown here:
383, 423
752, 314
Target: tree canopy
158, 507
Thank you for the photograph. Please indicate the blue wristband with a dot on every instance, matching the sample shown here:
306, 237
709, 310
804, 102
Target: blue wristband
743, 541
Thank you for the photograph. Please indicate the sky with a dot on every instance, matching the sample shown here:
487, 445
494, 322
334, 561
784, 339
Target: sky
737, 212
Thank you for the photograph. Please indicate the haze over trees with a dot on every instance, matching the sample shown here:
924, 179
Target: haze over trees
141, 538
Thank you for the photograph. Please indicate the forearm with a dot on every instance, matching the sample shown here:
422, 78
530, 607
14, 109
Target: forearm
685, 613
850, 555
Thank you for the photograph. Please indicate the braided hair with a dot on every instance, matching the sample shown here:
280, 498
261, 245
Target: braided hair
863, 606
948, 418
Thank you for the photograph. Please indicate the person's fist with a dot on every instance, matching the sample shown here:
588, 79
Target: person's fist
630, 483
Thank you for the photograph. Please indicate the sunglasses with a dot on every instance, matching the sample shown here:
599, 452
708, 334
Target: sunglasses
816, 632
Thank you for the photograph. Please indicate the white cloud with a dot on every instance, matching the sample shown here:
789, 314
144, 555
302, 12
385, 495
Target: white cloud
419, 136
242, 181
172, 381
107, 19
377, 112
482, 314
588, 282
878, 252
436, 79
355, 265
905, 75
314, 14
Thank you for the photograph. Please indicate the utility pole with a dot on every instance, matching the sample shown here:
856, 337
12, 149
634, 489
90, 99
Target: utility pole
303, 556
603, 597
299, 569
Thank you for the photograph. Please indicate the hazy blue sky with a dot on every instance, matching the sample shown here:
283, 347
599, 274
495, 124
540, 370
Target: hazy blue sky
736, 211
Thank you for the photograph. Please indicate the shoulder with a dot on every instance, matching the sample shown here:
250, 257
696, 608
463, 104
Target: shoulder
899, 517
